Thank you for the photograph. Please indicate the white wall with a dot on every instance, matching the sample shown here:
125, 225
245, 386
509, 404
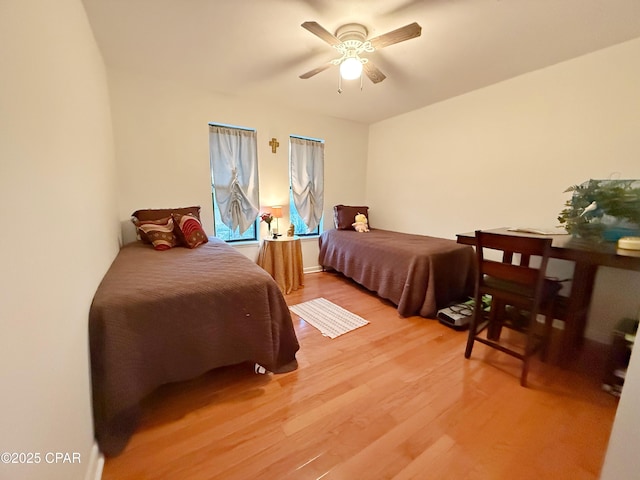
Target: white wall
503, 156
162, 145
60, 234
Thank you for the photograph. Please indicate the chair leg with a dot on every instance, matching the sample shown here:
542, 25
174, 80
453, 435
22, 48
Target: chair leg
525, 371
529, 348
471, 337
473, 329
525, 361
495, 325
548, 328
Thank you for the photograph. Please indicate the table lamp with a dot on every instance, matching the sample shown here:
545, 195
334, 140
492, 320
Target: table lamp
276, 211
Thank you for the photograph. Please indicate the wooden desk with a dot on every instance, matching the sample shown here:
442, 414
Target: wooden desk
282, 258
588, 256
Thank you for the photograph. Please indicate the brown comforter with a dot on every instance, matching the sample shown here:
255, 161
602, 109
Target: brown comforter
160, 317
417, 273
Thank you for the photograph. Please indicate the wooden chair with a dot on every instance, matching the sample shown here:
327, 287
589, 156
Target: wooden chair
518, 290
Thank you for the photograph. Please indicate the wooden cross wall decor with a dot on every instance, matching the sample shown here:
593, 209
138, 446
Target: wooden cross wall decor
274, 144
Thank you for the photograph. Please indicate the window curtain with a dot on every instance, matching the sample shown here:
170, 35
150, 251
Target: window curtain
307, 179
234, 170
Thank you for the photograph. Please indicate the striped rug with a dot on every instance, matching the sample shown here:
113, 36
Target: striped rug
331, 319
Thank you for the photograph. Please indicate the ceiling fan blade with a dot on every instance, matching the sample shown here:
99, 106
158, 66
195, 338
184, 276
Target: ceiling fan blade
315, 71
319, 31
401, 34
375, 75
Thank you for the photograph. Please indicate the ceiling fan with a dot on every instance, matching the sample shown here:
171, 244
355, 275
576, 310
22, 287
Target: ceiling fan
351, 42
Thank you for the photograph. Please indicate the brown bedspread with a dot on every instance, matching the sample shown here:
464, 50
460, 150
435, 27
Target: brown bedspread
419, 274
160, 317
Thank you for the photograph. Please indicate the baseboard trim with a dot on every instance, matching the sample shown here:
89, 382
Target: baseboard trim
314, 269
95, 464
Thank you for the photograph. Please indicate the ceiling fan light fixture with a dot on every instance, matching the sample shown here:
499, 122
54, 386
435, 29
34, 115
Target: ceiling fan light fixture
351, 41
351, 68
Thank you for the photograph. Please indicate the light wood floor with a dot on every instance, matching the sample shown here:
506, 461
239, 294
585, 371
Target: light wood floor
395, 399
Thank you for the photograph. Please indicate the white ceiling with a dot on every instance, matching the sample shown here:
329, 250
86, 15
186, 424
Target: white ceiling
257, 48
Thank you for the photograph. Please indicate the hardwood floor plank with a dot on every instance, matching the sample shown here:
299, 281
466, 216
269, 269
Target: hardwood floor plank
395, 399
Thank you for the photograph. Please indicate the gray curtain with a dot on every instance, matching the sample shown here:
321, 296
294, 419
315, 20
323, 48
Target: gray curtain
307, 179
234, 170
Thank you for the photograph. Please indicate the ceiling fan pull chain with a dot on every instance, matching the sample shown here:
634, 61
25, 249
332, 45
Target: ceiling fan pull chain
339, 82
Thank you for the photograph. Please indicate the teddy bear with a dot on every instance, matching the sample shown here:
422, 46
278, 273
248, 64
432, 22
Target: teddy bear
361, 224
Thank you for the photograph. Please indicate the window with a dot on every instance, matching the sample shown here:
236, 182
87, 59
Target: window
221, 231
234, 182
300, 228
306, 184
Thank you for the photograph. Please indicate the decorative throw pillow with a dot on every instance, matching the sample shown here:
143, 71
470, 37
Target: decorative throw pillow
159, 233
153, 214
344, 216
189, 230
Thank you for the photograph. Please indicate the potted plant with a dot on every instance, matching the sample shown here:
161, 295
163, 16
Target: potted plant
603, 210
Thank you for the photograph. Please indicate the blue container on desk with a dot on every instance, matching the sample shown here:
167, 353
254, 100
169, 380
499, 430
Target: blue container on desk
613, 234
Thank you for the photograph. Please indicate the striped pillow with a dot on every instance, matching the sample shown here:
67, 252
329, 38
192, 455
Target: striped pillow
159, 232
189, 230
155, 214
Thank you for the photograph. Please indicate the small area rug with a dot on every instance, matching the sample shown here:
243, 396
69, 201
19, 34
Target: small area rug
331, 319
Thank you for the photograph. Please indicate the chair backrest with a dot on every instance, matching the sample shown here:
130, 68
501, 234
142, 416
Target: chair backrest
517, 282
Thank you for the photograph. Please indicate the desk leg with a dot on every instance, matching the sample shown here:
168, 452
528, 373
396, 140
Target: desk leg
577, 309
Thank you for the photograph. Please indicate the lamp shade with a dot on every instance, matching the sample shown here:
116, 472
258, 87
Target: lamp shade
351, 68
276, 211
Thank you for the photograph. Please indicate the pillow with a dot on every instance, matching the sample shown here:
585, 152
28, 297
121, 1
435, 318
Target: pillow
159, 213
139, 232
345, 215
159, 233
151, 214
189, 230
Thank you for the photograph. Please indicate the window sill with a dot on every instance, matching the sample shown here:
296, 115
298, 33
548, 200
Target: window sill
244, 243
309, 237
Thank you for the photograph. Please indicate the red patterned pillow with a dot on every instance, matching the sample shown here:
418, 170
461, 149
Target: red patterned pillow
189, 230
159, 214
159, 233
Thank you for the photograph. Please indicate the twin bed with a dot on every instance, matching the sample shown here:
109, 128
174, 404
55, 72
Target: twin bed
171, 315
166, 316
418, 273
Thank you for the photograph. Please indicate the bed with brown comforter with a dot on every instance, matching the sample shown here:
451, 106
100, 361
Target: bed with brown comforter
166, 316
419, 274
